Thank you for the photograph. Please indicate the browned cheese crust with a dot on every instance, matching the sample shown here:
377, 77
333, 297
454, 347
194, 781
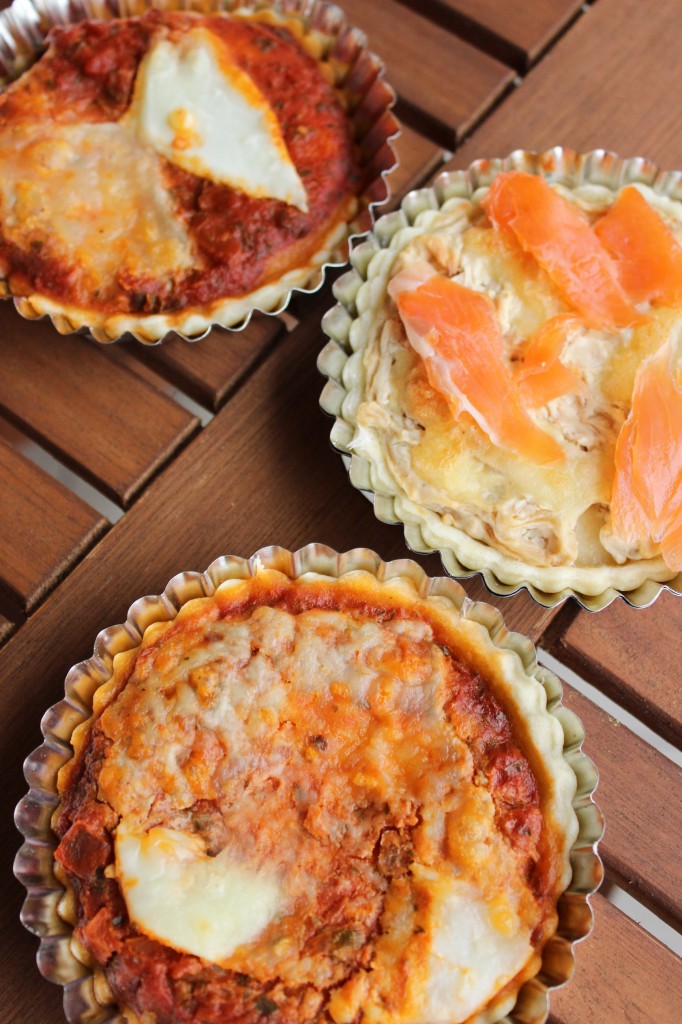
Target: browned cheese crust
214, 242
336, 789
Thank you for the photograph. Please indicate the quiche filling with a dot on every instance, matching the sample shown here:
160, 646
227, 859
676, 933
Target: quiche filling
515, 350
303, 801
168, 162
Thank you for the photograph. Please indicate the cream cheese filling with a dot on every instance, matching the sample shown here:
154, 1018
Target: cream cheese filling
547, 517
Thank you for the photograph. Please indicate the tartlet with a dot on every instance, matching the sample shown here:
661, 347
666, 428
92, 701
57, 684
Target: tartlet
200, 164
356, 763
531, 504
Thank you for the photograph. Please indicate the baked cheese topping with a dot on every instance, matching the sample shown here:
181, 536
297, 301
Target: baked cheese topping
88, 183
477, 949
172, 170
554, 516
315, 796
95, 193
196, 107
199, 904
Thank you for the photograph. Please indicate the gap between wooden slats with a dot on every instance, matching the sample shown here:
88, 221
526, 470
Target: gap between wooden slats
45, 529
644, 917
6, 628
638, 785
36, 454
632, 656
210, 370
607, 83
100, 419
444, 83
514, 31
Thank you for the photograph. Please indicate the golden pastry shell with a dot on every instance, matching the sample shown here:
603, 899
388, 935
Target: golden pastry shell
358, 73
344, 324
34, 864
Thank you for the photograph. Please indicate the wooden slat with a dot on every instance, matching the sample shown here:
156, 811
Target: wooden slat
278, 482
106, 422
606, 84
641, 798
437, 74
418, 158
45, 529
632, 657
512, 30
623, 975
210, 369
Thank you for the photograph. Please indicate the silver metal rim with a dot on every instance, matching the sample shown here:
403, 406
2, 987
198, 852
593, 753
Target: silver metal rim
34, 862
558, 164
23, 29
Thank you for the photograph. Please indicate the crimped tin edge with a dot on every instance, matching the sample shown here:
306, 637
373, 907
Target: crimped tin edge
23, 27
338, 399
34, 864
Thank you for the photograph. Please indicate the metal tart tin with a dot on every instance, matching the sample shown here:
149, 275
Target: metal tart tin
86, 996
358, 74
342, 394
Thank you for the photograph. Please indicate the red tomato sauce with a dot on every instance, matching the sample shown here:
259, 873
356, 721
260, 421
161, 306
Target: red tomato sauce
179, 987
241, 242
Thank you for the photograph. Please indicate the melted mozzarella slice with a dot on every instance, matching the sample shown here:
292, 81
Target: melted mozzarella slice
203, 905
197, 108
69, 186
477, 947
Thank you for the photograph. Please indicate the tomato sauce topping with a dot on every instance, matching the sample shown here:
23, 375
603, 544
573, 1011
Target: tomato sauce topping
240, 242
179, 987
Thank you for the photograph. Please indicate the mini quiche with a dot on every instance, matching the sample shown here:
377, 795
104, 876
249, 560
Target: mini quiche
516, 386
172, 170
316, 800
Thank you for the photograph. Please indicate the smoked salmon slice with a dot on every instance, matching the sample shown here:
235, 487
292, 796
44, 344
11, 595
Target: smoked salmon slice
455, 331
629, 519
647, 493
560, 238
647, 256
542, 375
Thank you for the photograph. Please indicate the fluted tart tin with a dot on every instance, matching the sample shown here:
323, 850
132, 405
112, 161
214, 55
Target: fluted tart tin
358, 350
356, 75
49, 911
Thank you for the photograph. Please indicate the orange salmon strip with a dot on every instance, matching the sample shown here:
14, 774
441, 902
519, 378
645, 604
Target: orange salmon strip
542, 375
558, 235
648, 258
630, 521
455, 331
647, 492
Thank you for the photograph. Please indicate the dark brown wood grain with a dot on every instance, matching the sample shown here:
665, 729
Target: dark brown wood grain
418, 158
640, 794
606, 84
104, 421
444, 80
209, 370
512, 30
633, 657
623, 975
45, 528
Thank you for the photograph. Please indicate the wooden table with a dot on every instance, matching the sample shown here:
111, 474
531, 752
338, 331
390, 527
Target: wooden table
189, 452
